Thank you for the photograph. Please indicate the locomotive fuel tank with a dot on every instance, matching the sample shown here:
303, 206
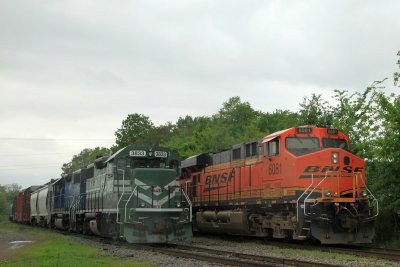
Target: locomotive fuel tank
226, 221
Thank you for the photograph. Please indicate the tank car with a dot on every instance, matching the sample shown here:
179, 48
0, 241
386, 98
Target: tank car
133, 195
300, 183
38, 204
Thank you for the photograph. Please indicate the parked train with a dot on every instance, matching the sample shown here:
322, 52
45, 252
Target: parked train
133, 194
300, 183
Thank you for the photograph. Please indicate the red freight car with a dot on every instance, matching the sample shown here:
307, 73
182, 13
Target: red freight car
22, 210
298, 183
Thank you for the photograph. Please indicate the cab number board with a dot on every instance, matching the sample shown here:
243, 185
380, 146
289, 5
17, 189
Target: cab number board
275, 168
137, 153
161, 154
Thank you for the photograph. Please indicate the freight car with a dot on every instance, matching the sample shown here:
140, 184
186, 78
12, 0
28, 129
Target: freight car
39, 211
22, 205
133, 194
301, 183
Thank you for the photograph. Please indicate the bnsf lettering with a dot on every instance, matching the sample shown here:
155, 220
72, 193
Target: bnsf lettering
323, 169
312, 169
358, 169
348, 169
330, 169
218, 178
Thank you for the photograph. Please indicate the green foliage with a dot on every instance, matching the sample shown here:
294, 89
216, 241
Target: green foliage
157, 135
134, 128
7, 194
235, 122
84, 158
356, 115
3, 203
396, 75
387, 186
277, 121
316, 111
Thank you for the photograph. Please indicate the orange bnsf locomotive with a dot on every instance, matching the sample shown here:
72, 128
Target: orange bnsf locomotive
300, 183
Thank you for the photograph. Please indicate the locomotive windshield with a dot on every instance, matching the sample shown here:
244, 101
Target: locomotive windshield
148, 163
334, 143
302, 145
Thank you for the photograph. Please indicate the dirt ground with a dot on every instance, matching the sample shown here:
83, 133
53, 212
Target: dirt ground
12, 241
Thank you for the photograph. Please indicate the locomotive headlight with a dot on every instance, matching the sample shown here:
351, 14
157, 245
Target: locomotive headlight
328, 193
178, 204
335, 157
142, 205
364, 193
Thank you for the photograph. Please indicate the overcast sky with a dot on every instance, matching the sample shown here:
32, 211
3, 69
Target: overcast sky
71, 71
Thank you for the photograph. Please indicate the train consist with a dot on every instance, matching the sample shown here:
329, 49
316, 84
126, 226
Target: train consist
300, 183
133, 194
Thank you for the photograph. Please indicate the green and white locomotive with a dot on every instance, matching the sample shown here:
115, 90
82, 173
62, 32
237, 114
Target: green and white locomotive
133, 195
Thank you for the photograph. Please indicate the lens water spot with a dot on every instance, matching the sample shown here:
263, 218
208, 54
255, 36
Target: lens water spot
19, 244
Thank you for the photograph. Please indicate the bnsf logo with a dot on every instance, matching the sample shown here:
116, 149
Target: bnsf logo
218, 178
323, 169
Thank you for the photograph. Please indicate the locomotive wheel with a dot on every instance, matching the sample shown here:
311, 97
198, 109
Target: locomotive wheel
114, 231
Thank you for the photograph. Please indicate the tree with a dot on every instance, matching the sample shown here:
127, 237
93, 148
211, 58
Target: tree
7, 195
12, 191
316, 111
235, 122
157, 135
357, 116
396, 75
3, 203
133, 129
84, 158
182, 139
278, 120
386, 184
236, 116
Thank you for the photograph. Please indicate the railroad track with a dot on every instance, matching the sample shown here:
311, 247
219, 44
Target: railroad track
387, 254
362, 251
231, 258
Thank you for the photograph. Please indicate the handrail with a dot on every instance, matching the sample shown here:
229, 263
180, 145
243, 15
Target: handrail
129, 199
370, 193
123, 191
123, 180
190, 204
312, 191
297, 210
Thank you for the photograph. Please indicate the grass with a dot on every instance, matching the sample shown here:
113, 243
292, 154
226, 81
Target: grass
51, 249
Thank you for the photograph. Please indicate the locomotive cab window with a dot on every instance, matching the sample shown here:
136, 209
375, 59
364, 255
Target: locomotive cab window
77, 177
334, 143
236, 153
147, 163
251, 149
254, 148
273, 148
121, 164
248, 150
299, 146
